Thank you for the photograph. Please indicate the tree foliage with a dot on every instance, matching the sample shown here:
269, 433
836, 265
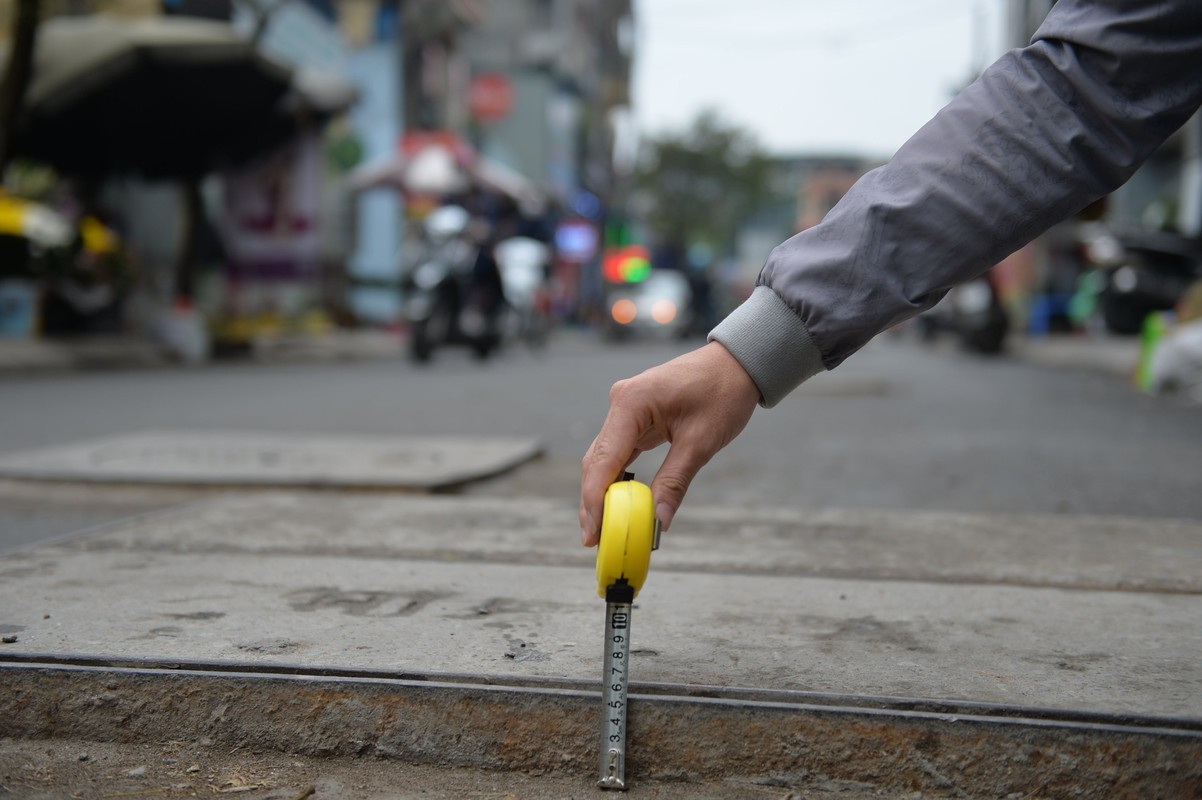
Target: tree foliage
702, 184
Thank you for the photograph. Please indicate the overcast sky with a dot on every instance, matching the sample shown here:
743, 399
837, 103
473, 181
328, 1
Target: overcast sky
810, 76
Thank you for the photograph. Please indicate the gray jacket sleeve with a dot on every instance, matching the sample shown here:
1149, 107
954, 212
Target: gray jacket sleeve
1045, 131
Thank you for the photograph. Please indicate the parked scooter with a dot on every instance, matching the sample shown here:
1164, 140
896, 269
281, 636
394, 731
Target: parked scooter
449, 298
1144, 272
973, 312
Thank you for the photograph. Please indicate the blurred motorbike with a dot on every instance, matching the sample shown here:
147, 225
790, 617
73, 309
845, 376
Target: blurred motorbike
973, 312
1143, 272
449, 298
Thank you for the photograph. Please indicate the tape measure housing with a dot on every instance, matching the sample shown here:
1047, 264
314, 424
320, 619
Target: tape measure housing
627, 536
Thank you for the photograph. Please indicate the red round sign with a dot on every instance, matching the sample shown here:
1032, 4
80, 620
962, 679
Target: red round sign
489, 97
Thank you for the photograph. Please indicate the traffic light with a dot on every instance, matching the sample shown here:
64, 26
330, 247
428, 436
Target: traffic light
629, 264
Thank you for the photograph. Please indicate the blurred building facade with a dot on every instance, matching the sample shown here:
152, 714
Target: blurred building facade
822, 181
535, 84
372, 32
808, 186
261, 237
538, 86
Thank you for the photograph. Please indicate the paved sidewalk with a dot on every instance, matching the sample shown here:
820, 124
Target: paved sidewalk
1111, 355
132, 352
1003, 652
102, 352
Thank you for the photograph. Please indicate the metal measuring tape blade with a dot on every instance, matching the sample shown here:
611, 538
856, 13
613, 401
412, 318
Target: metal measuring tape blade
629, 532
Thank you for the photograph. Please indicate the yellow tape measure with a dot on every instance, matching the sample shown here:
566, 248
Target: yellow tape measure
628, 535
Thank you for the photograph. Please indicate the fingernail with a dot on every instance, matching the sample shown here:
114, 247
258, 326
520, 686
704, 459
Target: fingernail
664, 513
584, 537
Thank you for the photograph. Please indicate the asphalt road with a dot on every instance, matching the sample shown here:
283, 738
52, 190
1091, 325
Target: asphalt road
897, 426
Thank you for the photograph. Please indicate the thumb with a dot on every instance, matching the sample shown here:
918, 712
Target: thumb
672, 481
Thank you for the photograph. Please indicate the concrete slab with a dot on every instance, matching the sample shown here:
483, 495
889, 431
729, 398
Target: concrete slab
232, 458
41, 511
902, 650
943, 606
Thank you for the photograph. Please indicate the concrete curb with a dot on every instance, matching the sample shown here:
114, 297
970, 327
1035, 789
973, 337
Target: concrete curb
40, 355
130, 352
676, 733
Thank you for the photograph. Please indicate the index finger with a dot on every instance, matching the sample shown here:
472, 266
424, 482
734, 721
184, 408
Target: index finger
608, 455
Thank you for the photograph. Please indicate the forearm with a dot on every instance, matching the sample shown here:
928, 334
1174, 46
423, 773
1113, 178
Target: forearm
1044, 132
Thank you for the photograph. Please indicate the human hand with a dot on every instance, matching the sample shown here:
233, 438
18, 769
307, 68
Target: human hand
698, 403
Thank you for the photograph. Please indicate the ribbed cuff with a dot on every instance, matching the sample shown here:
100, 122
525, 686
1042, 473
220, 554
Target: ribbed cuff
771, 343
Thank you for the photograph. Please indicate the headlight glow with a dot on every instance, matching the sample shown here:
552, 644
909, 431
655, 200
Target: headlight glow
624, 311
663, 311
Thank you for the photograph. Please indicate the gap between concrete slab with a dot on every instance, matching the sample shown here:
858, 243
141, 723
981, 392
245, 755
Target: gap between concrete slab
650, 689
677, 733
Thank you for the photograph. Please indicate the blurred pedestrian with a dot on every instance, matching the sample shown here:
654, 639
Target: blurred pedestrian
1045, 131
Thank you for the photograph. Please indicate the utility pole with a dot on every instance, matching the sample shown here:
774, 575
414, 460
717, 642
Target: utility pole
17, 76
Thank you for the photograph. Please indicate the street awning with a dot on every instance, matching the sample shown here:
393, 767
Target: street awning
163, 97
